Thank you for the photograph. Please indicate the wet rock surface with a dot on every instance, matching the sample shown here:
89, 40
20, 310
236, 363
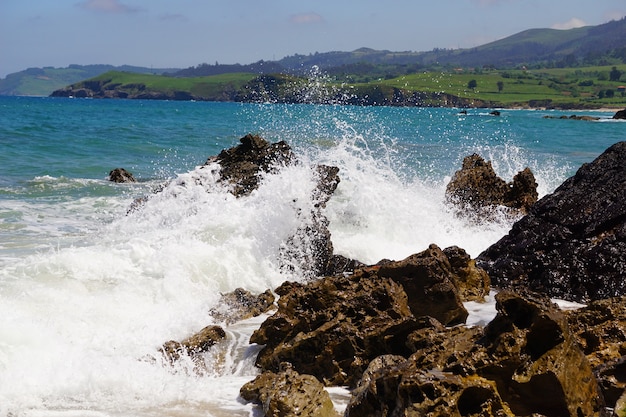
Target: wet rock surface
121, 175
476, 186
525, 362
334, 326
241, 304
572, 243
286, 393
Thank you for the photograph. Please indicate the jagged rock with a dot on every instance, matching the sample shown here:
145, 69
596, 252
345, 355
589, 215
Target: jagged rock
289, 394
309, 249
241, 304
429, 281
477, 186
525, 362
194, 345
242, 165
572, 244
472, 282
334, 326
601, 331
574, 117
620, 114
121, 175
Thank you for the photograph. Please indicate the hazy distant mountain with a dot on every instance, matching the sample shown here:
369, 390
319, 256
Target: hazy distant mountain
43, 81
591, 45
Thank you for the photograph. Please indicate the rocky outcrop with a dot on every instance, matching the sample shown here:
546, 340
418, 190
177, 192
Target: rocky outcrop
120, 175
572, 243
620, 114
472, 282
241, 304
525, 362
289, 394
333, 327
477, 187
574, 117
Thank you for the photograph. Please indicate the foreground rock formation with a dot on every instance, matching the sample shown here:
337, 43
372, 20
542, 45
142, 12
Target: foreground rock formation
572, 244
477, 186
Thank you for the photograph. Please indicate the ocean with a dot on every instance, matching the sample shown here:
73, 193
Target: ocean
89, 291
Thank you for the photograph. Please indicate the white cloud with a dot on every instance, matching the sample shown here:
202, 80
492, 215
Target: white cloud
108, 6
570, 24
306, 18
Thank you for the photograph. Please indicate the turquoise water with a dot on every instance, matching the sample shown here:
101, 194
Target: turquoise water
89, 291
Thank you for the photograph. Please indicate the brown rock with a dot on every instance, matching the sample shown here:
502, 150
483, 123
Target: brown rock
601, 331
525, 362
476, 186
289, 394
241, 304
472, 282
194, 345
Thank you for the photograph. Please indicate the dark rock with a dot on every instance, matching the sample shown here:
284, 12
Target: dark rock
242, 304
243, 165
525, 362
333, 327
574, 117
289, 394
477, 186
120, 175
572, 244
601, 331
194, 345
620, 114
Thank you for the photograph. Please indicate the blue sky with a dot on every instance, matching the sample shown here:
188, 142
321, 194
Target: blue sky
183, 33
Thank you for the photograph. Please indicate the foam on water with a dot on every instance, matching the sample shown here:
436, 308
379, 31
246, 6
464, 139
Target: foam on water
83, 319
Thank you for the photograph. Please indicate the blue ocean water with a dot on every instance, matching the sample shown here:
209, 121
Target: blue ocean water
88, 291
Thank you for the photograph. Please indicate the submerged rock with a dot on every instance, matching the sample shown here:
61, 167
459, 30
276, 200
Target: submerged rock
193, 345
334, 326
572, 243
525, 362
476, 186
120, 175
241, 304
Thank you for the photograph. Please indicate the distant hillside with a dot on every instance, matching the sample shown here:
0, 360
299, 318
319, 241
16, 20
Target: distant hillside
43, 81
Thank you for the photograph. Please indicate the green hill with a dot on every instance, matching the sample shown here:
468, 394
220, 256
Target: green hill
43, 81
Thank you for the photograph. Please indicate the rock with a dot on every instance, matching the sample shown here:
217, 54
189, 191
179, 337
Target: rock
601, 331
309, 250
472, 282
242, 165
428, 280
194, 345
334, 326
574, 117
620, 114
289, 394
241, 304
120, 175
572, 243
476, 186
525, 362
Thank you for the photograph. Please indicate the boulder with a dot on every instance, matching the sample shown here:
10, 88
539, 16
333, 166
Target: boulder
242, 165
120, 175
334, 326
471, 281
193, 345
525, 362
620, 114
241, 304
289, 394
572, 243
477, 187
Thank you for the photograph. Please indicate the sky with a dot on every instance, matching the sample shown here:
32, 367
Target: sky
184, 33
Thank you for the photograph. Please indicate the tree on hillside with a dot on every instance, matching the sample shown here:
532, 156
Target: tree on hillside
500, 86
615, 74
472, 84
